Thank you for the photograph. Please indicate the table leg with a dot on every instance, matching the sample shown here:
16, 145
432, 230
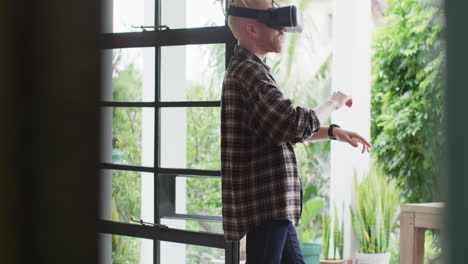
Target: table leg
406, 237
411, 240
418, 246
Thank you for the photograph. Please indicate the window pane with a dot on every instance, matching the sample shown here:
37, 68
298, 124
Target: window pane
180, 253
203, 196
126, 196
129, 196
192, 73
191, 14
191, 203
132, 13
132, 74
131, 250
190, 138
132, 137
194, 196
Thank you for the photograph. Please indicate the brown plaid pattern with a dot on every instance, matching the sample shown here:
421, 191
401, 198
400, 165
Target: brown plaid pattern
259, 126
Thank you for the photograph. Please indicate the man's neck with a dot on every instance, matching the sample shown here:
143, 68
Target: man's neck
254, 49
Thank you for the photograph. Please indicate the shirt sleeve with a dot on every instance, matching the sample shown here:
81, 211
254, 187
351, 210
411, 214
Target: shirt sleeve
275, 117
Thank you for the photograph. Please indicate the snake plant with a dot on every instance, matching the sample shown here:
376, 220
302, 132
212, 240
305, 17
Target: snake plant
375, 211
326, 235
338, 235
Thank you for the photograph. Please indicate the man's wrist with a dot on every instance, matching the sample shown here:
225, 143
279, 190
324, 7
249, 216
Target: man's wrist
330, 131
332, 104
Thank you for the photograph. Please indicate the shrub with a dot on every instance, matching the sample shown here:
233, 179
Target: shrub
407, 97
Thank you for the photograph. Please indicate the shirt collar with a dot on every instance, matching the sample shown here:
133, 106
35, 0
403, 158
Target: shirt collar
246, 53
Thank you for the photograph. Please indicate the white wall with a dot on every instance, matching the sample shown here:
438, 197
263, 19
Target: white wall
351, 74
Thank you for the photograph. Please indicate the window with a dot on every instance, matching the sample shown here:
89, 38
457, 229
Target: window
160, 167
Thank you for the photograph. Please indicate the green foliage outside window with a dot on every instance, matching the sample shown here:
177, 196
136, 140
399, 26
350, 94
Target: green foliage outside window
126, 185
408, 112
204, 152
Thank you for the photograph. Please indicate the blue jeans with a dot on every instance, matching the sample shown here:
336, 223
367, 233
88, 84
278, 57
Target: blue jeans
273, 242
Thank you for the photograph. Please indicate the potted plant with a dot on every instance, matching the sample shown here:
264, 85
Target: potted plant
310, 251
337, 240
338, 236
374, 216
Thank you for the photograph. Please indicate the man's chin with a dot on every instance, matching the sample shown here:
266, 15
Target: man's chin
278, 48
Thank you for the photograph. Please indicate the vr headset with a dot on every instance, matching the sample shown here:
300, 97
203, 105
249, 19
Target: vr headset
288, 18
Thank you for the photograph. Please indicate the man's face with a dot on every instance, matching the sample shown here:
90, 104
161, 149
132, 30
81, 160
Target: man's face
270, 39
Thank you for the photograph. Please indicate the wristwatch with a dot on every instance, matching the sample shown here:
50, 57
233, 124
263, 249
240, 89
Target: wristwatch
330, 131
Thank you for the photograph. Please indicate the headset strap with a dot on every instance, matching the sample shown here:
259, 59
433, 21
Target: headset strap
246, 12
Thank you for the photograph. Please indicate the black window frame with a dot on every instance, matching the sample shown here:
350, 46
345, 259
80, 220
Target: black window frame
164, 177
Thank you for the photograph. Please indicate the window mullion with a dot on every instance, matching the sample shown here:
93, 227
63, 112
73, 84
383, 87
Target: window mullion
157, 131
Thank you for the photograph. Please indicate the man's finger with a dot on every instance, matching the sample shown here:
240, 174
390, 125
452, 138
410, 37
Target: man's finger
352, 142
363, 141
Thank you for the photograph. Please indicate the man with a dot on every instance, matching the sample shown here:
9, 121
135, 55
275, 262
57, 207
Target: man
261, 188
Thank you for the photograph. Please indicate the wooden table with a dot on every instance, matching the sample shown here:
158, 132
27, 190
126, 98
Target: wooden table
414, 219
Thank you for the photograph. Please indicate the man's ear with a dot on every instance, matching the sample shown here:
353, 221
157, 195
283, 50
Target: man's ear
251, 29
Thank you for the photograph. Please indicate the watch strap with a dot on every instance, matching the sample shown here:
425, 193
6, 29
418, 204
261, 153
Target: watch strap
330, 131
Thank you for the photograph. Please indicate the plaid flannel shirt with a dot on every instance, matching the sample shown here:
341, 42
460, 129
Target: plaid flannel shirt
259, 126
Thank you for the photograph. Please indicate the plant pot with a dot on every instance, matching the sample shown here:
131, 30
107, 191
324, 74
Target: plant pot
332, 261
311, 253
378, 258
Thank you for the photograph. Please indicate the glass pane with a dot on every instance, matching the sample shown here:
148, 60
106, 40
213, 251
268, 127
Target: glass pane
203, 196
133, 74
175, 253
192, 73
190, 138
130, 195
132, 13
197, 196
132, 137
126, 196
131, 250
191, 14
